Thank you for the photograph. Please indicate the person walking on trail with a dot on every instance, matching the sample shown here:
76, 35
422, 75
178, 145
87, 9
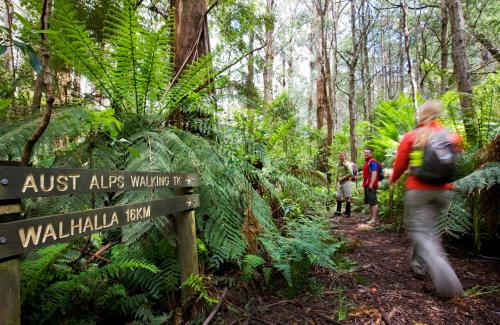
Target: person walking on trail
344, 185
370, 183
429, 152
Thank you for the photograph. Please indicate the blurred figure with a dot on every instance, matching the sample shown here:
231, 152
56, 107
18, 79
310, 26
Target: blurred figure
344, 185
429, 152
370, 183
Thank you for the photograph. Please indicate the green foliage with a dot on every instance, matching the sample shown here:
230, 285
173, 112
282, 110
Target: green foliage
135, 67
392, 119
250, 264
197, 284
482, 178
305, 243
460, 218
477, 291
456, 220
56, 275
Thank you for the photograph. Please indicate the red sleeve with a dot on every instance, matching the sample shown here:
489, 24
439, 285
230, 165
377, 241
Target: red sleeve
402, 157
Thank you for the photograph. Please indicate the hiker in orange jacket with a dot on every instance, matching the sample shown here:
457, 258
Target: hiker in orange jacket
424, 202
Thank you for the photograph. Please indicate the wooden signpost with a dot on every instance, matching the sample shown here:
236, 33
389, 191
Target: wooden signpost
21, 236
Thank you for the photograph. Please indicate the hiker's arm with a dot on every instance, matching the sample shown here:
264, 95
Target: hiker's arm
402, 158
372, 180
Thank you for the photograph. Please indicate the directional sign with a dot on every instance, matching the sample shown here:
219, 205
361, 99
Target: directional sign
25, 235
19, 182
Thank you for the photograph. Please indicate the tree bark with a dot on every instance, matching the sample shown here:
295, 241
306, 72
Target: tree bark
461, 69
401, 60
269, 52
47, 81
336, 11
364, 63
411, 71
191, 39
486, 43
444, 48
191, 31
37, 96
352, 85
10, 58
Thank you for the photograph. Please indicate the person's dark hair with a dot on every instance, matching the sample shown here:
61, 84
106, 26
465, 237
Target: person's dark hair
370, 149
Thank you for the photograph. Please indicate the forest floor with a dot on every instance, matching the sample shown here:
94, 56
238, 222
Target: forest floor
380, 289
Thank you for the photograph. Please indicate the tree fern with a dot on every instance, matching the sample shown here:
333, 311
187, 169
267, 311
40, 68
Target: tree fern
250, 264
482, 178
457, 219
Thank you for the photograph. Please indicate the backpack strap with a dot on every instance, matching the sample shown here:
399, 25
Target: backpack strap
370, 161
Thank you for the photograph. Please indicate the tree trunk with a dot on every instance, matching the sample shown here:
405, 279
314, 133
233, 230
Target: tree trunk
411, 72
191, 38
352, 86
37, 96
250, 66
191, 32
333, 99
444, 48
364, 62
486, 43
76, 89
320, 95
269, 52
330, 125
401, 60
10, 58
47, 82
461, 69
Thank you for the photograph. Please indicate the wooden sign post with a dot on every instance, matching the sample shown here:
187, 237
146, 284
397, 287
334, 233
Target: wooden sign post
21, 236
187, 251
10, 277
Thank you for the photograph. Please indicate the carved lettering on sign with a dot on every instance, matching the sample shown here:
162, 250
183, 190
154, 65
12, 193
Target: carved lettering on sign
77, 226
48, 183
31, 235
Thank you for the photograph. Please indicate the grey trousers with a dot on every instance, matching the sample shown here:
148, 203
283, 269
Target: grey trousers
422, 208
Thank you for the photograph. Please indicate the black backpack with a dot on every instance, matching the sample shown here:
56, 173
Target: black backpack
437, 165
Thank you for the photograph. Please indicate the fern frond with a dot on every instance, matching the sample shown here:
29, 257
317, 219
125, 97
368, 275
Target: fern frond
456, 220
482, 178
250, 264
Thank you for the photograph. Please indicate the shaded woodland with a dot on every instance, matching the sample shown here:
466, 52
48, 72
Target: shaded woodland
258, 97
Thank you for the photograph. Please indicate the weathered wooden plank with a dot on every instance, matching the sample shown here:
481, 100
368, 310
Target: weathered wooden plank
10, 302
24, 235
186, 249
20, 182
10, 277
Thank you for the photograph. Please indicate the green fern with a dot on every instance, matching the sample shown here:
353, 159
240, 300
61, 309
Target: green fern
456, 220
482, 178
250, 264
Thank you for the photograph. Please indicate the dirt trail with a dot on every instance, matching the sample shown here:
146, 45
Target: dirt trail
404, 299
380, 290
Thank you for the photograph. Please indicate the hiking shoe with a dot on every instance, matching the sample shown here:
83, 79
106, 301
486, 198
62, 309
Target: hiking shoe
337, 213
371, 222
345, 215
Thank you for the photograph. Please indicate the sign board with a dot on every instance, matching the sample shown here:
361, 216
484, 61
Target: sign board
20, 182
25, 235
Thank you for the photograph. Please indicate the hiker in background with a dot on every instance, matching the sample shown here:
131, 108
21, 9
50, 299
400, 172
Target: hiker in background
371, 170
344, 185
429, 151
